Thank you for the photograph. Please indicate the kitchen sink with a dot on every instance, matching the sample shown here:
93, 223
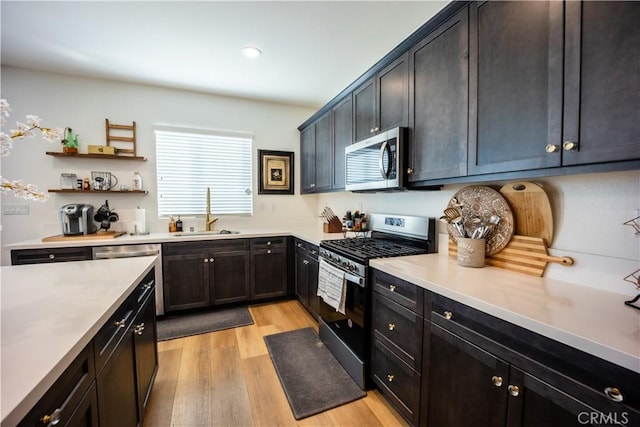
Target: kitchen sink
204, 233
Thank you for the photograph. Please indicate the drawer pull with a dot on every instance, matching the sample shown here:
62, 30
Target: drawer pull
613, 394
299, 245
137, 330
120, 323
52, 419
514, 390
448, 315
52, 256
390, 377
496, 380
392, 288
305, 261
392, 326
269, 243
268, 251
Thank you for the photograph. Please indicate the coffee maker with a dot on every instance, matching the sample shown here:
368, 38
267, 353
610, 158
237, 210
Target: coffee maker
77, 219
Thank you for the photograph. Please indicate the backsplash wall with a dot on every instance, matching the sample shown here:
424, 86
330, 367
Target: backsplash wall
588, 211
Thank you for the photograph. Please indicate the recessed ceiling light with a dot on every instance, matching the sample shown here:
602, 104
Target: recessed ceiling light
251, 52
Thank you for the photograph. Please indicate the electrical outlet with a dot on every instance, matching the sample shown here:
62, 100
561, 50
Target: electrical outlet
15, 210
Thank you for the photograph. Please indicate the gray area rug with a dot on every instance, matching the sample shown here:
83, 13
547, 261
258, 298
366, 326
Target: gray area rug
201, 323
311, 376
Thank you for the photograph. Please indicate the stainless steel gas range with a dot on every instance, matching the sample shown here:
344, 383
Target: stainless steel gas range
346, 329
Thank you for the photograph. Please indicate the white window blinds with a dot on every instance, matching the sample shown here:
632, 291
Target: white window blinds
188, 163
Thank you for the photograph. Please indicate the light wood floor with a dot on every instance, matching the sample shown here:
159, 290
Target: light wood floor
226, 378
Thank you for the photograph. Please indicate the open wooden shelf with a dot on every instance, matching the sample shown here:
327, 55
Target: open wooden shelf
59, 190
95, 156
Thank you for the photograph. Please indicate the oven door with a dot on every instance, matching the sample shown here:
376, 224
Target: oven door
351, 326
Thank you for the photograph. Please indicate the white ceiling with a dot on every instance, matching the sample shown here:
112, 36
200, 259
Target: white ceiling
311, 49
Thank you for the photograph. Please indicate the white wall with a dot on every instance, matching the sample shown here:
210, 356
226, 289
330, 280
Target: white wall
84, 104
589, 210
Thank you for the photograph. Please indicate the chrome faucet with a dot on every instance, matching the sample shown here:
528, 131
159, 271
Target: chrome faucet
208, 219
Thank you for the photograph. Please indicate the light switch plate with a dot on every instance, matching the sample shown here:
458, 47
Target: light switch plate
16, 210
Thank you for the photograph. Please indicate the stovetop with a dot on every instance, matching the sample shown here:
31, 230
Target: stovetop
368, 248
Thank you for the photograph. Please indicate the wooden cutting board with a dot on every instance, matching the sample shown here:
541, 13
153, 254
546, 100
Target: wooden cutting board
523, 254
531, 210
95, 236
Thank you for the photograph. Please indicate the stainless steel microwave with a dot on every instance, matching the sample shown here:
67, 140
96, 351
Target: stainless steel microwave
377, 162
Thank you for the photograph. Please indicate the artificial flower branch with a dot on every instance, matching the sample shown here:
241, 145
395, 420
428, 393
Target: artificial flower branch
24, 130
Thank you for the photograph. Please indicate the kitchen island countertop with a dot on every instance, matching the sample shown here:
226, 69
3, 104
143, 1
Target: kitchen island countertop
588, 319
49, 313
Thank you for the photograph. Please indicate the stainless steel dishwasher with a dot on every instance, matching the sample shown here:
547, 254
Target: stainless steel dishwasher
130, 251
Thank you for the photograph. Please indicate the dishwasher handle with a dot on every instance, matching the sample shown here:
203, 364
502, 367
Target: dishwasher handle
111, 255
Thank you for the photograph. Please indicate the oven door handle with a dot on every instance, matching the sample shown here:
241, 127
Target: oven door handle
360, 281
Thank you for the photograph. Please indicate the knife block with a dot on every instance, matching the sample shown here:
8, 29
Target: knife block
334, 226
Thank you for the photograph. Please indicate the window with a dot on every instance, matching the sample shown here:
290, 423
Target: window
189, 162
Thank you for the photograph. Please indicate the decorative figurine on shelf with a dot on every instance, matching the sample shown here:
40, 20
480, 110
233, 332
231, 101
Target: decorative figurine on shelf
70, 142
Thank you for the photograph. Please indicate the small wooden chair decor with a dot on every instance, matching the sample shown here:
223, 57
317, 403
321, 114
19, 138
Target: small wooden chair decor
119, 134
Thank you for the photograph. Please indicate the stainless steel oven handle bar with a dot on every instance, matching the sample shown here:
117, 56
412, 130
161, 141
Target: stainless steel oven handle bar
360, 281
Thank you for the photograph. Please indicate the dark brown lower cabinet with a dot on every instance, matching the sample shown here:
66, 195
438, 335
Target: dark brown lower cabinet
460, 387
306, 276
145, 337
480, 370
269, 267
116, 383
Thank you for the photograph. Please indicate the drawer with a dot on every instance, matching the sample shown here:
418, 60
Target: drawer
404, 293
397, 381
306, 248
145, 287
398, 328
65, 396
40, 256
268, 242
229, 245
113, 330
186, 248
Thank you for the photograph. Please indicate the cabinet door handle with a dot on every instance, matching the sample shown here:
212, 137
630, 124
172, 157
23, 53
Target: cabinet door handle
299, 245
211, 260
52, 419
390, 377
312, 185
614, 394
570, 145
392, 326
409, 171
552, 148
514, 390
448, 315
376, 129
496, 380
392, 288
137, 329
268, 251
52, 256
371, 130
269, 243
314, 252
206, 260
305, 262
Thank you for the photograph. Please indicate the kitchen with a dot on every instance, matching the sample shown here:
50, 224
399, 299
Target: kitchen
589, 209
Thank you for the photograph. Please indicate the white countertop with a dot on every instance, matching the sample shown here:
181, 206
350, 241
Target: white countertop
591, 320
48, 314
312, 234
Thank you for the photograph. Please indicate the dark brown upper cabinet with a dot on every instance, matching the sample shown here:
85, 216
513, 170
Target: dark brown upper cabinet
316, 147
382, 102
342, 137
602, 83
438, 102
515, 82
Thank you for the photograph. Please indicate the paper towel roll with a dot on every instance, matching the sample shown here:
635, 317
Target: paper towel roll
141, 221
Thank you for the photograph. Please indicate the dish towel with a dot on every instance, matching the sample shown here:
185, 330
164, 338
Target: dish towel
331, 286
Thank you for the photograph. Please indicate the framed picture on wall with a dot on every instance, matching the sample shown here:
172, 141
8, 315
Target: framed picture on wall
276, 172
